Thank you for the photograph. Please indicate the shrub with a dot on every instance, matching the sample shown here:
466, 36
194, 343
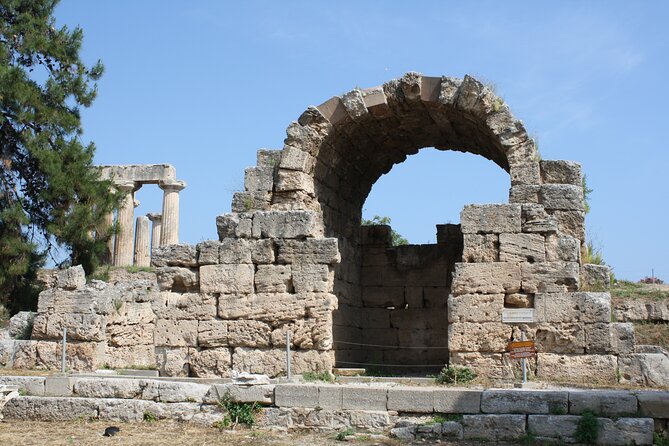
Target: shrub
237, 413
341, 436
150, 417
455, 375
587, 429
318, 376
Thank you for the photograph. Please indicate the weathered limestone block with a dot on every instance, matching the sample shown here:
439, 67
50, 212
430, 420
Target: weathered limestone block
212, 333
560, 338
491, 218
312, 278
81, 356
411, 399
262, 251
129, 335
522, 248
272, 362
275, 307
305, 334
563, 248
172, 361
560, 172
606, 403
323, 251
483, 337
595, 307
493, 427
417, 318
175, 306
492, 365
570, 223
480, 248
259, 178
51, 409
171, 333
296, 159
133, 355
609, 338
251, 201
457, 401
525, 173
644, 369
248, 334
549, 277
524, 193
293, 180
227, 279
285, 224
260, 393
28, 385
536, 219
235, 251
173, 392
642, 310
624, 431
176, 278
519, 300
107, 388
174, 255
273, 279
577, 368
364, 398
129, 313
71, 278
80, 326
85, 300
21, 324
488, 278
207, 252
556, 427
296, 395
654, 404
475, 308
211, 363
564, 197
234, 225
524, 402
595, 277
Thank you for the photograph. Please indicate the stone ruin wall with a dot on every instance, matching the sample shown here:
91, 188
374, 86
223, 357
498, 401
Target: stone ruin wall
290, 257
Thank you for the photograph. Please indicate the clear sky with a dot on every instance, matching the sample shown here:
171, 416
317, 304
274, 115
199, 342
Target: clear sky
203, 84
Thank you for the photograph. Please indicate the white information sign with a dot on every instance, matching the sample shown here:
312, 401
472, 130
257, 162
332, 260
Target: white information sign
518, 315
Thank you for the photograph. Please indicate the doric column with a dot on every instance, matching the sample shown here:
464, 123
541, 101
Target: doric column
142, 254
156, 226
123, 245
170, 228
107, 224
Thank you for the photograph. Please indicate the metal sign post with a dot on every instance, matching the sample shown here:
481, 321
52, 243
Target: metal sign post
523, 361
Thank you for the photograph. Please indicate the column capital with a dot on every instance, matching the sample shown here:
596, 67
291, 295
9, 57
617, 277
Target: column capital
154, 216
172, 185
125, 186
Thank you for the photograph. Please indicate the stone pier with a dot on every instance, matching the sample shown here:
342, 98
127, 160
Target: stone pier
123, 244
156, 228
142, 242
170, 224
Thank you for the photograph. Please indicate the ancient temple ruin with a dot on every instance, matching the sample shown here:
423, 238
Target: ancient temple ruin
292, 257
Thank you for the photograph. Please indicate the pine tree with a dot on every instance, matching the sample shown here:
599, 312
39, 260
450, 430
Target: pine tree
50, 195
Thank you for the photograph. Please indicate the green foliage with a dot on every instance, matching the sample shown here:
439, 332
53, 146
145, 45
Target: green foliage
4, 316
592, 254
660, 439
318, 376
455, 375
134, 269
444, 417
529, 439
587, 429
397, 239
49, 194
237, 413
149, 417
557, 410
101, 273
341, 436
586, 194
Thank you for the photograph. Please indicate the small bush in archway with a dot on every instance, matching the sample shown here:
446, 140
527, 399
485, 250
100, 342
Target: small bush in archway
455, 375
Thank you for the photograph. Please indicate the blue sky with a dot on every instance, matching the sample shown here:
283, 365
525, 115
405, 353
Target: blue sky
203, 85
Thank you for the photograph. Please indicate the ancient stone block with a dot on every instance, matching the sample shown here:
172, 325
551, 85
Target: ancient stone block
653, 404
226, 279
644, 369
262, 307
310, 250
577, 368
175, 306
174, 255
330, 397
80, 327
549, 277
268, 157
488, 278
563, 248
248, 334
364, 398
383, 297
178, 279
563, 197
560, 338
272, 362
524, 402
312, 278
172, 361
493, 427
296, 395
606, 403
536, 219
296, 159
135, 355
273, 279
234, 251
595, 277
483, 337
293, 180
170, 333
624, 431
570, 223
21, 324
457, 401
129, 335
259, 178
560, 172
407, 399
284, 224
233, 225
107, 388
492, 365
251, 201
490, 218
262, 251
51, 408
475, 308
561, 427
521, 248
480, 248
595, 307
519, 300
210, 363
524, 193
525, 173
70, 279
212, 333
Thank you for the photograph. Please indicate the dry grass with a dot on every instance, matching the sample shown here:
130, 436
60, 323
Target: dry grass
34, 433
652, 334
623, 290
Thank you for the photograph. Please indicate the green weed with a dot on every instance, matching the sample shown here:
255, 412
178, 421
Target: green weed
455, 375
587, 429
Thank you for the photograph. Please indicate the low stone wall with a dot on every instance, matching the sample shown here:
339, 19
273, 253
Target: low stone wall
407, 412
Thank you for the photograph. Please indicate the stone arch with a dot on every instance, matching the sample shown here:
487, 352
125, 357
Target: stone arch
307, 198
